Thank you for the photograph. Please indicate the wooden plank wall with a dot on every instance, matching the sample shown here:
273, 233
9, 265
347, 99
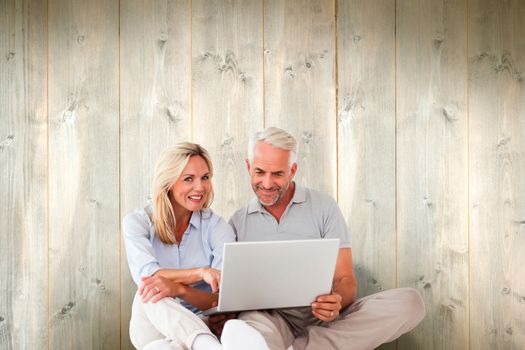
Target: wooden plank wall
155, 106
366, 138
227, 91
23, 151
496, 57
299, 84
411, 113
432, 167
83, 174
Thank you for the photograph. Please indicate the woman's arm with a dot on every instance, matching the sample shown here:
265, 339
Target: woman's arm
139, 250
143, 262
158, 287
179, 276
198, 298
171, 282
190, 276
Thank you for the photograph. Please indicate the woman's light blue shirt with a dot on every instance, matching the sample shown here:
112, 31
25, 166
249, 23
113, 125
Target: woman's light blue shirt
201, 245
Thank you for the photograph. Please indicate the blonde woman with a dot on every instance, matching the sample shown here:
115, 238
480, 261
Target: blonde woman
174, 249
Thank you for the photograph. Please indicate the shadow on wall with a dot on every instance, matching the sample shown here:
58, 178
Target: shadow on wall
367, 283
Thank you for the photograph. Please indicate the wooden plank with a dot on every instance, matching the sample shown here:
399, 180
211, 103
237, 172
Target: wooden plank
83, 174
366, 138
155, 105
299, 84
432, 168
497, 171
23, 135
227, 91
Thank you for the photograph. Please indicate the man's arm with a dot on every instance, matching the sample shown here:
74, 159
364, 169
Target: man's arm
327, 307
345, 283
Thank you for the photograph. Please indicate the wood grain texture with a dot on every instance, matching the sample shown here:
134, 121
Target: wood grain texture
497, 173
84, 175
432, 163
253, 64
299, 84
366, 136
23, 234
155, 105
227, 92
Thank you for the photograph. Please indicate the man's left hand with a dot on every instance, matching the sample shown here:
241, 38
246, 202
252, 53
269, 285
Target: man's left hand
326, 307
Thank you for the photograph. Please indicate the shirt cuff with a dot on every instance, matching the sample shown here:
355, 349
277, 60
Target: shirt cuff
345, 245
149, 270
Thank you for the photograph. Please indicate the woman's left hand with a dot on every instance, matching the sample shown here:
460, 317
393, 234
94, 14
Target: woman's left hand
155, 288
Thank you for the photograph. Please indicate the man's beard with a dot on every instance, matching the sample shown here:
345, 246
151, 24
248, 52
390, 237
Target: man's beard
280, 194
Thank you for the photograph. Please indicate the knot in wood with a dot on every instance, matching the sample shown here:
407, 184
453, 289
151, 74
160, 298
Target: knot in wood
10, 139
307, 137
163, 37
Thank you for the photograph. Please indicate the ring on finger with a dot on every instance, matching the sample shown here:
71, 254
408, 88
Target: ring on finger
331, 314
157, 289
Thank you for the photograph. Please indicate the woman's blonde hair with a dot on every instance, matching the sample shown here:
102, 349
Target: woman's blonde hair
168, 168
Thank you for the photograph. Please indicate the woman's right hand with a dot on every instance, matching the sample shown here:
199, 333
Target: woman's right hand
212, 277
155, 288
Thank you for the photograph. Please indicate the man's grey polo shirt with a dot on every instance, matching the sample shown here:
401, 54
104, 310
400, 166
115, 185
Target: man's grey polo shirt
309, 215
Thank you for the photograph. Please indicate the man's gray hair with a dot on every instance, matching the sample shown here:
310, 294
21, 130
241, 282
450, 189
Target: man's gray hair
275, 137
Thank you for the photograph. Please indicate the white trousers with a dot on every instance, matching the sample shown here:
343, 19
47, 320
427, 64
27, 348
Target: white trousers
165, 319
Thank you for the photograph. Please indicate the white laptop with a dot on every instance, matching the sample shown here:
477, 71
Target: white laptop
275, 274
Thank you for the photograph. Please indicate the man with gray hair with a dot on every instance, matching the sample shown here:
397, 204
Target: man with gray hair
284, 210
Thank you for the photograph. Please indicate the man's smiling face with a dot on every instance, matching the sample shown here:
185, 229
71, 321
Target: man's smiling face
270, 173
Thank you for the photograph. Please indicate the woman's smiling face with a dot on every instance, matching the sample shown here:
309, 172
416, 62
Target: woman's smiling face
193, 187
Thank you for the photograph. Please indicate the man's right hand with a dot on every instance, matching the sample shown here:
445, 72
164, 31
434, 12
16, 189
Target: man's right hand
212, 277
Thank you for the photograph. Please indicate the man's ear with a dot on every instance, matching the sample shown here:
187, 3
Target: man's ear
247, 164
293, 170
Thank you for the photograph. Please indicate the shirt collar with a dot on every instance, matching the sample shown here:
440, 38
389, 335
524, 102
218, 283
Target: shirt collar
299, 196
254, 205
195, 220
